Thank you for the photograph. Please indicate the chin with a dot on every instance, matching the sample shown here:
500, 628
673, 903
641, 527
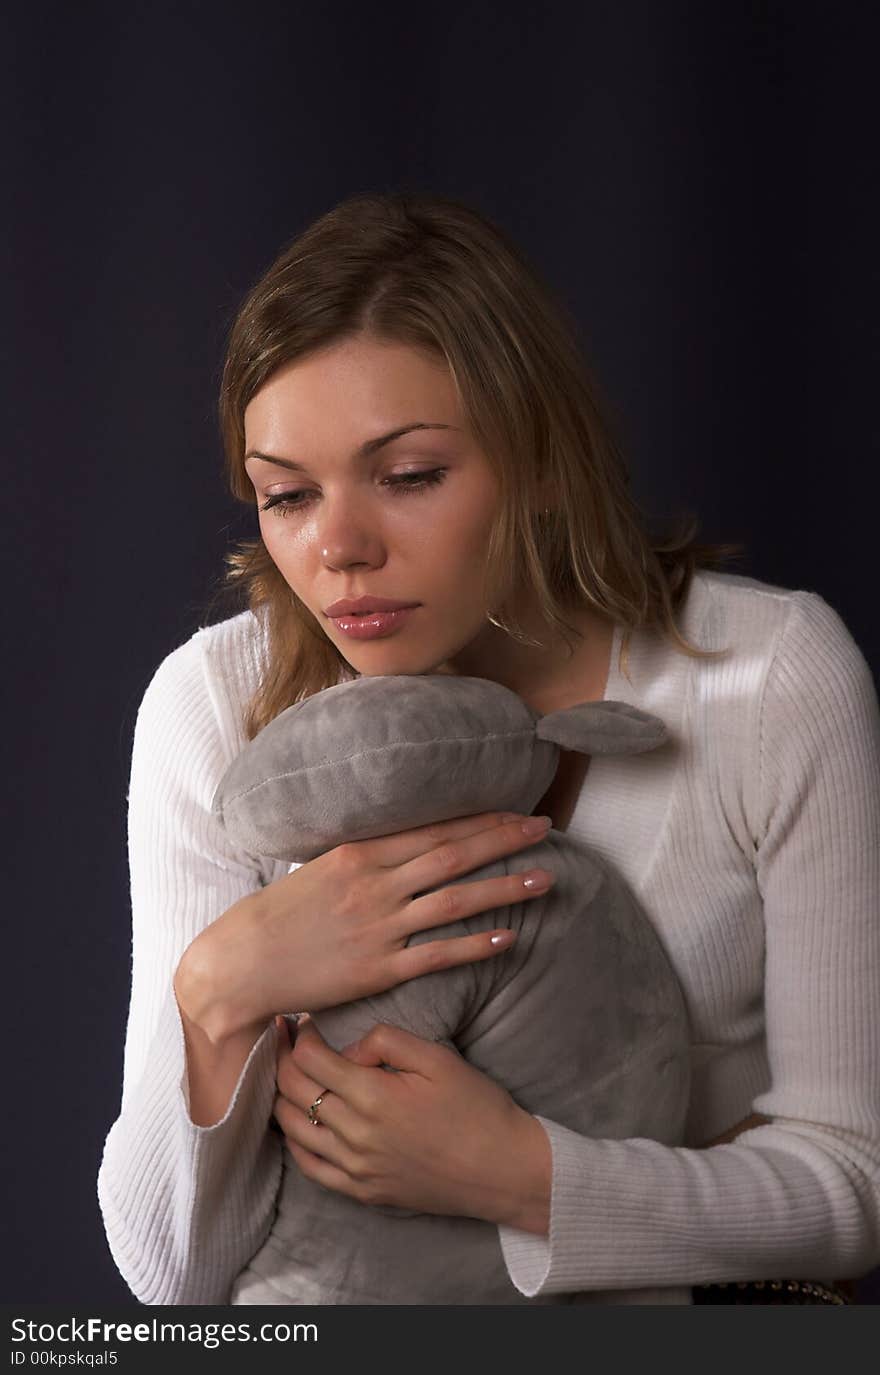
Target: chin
401, 664
393, 670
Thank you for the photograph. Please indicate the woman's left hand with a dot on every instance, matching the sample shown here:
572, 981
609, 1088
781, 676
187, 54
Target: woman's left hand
438, 1136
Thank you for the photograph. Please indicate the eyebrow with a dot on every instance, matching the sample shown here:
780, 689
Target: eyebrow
370, 446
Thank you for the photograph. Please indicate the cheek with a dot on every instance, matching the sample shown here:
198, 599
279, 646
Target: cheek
466, 531
464, 518
287, 549
282, 536
272, 538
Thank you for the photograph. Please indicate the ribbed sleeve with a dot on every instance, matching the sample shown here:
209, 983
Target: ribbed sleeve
184, 1206
799, 1197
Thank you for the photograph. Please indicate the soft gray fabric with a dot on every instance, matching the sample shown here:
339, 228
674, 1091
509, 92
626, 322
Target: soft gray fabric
582, 1021
377, 755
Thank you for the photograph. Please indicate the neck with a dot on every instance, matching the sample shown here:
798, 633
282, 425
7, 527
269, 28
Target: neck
560, 673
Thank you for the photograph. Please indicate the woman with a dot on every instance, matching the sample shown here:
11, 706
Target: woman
407, 408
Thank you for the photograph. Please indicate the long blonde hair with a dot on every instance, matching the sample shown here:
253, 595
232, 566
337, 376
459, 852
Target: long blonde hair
430, 272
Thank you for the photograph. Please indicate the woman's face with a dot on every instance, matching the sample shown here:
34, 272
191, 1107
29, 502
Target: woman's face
346, 511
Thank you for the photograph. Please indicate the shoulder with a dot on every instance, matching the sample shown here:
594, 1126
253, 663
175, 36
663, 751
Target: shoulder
792, 691
771, 631
819, 714
730, 609
207, 681
810, 721
741, 621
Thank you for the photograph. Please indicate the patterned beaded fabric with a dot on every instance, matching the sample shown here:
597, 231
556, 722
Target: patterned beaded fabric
774, 1292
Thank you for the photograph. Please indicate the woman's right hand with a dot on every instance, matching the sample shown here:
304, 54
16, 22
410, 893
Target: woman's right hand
336, 928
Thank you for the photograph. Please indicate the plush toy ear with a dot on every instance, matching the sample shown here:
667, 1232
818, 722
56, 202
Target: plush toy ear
602, 728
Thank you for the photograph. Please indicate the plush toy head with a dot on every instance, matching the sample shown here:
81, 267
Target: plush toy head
377, 755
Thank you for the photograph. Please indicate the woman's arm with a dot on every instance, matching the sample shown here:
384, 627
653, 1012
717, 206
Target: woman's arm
797, 1194
190, 1171
159, 1166
433, 1085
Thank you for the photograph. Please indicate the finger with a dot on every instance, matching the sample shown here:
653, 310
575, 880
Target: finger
324, 1066
466, 899
321, 1141
294, 1120
299, 1087
431, 956
385, 1044
394, 850
456, 857
283, 1039
299, 1091
321, 1171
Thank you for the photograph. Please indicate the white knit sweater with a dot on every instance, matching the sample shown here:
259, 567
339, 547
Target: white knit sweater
754, 846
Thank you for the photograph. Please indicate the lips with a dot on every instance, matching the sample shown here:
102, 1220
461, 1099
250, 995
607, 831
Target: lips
373, 625
360, 606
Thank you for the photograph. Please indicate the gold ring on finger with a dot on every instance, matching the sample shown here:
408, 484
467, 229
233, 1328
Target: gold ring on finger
312, 1112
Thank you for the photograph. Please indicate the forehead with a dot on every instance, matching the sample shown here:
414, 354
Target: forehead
348, 391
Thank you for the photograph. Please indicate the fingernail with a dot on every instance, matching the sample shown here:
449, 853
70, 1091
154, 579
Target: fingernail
537, 825
537, 880
504, 938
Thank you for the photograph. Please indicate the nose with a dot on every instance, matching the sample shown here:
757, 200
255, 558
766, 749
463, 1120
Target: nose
347, 537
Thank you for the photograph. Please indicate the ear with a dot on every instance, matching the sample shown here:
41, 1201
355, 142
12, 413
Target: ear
603, 728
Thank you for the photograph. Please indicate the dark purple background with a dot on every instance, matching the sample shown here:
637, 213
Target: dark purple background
698, 181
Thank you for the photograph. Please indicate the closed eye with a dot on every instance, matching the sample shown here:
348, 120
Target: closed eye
398, 483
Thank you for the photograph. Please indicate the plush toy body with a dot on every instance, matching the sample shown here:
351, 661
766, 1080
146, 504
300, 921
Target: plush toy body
582, 1020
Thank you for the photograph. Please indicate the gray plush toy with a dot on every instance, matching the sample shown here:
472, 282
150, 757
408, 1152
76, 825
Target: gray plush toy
582, 1021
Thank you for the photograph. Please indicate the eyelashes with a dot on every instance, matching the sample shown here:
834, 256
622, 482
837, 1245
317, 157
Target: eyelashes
400, 484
